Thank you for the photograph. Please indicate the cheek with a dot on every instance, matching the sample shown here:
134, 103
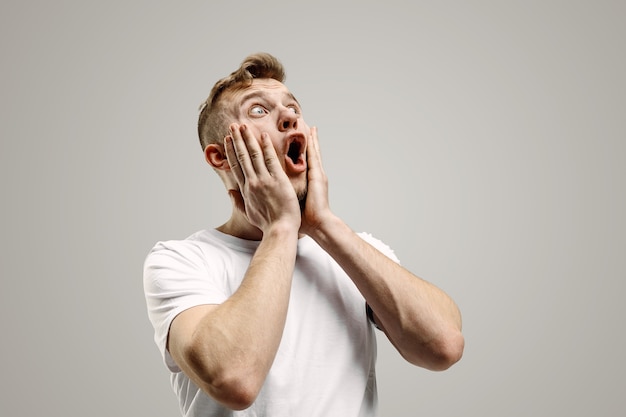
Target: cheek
257, 127
277, 148
254, 128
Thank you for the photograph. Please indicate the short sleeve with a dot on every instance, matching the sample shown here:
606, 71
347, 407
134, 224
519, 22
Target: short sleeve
380, 245
177, 277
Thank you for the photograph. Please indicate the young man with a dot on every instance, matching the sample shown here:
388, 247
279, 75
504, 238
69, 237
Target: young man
272, 312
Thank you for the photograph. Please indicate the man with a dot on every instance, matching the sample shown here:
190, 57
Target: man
272, 312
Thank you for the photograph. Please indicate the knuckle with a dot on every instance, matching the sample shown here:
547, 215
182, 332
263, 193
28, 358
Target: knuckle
255, 155
253, 184
241, 156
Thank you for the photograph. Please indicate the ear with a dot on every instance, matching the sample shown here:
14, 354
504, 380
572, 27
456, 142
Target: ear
216, 157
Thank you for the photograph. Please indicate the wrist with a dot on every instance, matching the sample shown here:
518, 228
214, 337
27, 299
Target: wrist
327, 227
281, 230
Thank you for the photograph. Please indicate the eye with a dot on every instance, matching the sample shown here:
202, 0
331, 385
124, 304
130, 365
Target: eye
294, 109
257, 110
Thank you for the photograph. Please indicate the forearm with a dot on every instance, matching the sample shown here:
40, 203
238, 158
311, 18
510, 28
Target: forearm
421, 321
233, 347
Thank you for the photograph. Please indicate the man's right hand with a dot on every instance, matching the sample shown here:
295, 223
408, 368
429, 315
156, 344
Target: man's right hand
266, 196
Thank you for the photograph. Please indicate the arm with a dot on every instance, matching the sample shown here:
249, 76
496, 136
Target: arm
228, 349
420, 320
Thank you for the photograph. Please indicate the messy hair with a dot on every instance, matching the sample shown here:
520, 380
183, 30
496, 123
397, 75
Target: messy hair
213, 119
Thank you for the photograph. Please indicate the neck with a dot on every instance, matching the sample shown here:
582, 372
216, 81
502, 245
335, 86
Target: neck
239, 227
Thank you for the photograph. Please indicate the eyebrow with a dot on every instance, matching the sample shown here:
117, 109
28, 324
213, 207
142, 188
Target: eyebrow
261, 94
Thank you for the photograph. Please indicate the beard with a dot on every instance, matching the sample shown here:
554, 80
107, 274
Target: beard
302, 198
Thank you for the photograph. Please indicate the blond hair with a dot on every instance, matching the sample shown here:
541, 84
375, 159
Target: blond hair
213, 119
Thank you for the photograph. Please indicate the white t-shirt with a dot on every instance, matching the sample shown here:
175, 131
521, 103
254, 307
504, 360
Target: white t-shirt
325, 362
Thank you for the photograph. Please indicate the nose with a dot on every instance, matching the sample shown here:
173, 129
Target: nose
287, 120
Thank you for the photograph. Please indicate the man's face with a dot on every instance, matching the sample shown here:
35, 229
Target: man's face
268, 106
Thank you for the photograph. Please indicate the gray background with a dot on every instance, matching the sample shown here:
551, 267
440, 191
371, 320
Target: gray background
484, 141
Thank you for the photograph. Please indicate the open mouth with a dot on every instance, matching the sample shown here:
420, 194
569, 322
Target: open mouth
294, 151
295, 160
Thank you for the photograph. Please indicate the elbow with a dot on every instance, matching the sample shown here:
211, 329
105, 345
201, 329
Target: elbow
236, 394
438, 354
447, 351
234, 387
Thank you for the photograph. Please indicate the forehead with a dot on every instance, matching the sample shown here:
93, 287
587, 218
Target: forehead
265, 87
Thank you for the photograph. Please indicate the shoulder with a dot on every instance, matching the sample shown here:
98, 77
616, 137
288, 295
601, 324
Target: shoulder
186, 268
167, 251
196, 248
184, 256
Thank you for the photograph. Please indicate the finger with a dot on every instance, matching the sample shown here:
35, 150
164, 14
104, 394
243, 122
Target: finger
255, 152
270, 156
314, 158
233, 162
241, 151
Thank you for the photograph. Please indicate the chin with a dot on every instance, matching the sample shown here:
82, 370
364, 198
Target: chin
300, 186
302, 199
301, 193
